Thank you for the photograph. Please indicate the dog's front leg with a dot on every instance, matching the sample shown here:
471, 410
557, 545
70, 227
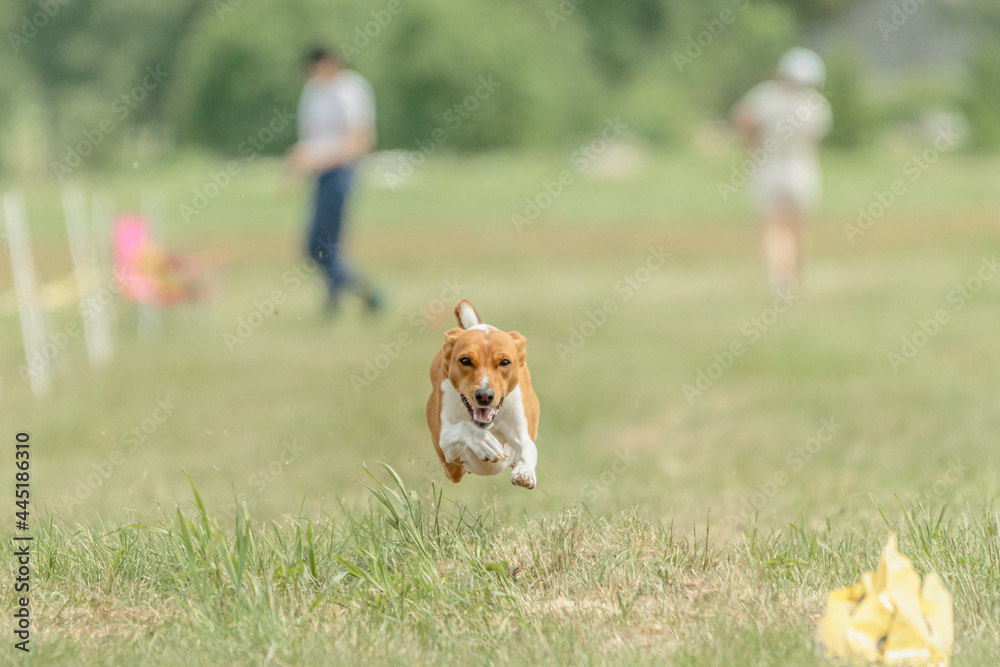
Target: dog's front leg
456, 438
525, 453
526, 459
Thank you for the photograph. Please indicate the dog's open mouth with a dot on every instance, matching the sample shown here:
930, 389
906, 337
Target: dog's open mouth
482, 416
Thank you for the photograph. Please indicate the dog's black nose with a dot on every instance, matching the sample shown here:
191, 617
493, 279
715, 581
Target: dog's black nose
484, 396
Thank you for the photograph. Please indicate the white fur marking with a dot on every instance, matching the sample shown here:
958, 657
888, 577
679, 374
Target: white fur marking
461, 440
467, 316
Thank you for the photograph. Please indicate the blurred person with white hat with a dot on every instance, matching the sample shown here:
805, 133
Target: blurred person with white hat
784, 120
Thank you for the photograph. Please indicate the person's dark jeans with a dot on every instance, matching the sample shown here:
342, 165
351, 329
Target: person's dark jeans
332, 189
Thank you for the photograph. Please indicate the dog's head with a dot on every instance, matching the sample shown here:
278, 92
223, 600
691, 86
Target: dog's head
484, 365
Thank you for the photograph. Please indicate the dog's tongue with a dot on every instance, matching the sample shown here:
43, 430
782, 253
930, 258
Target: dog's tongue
482, 415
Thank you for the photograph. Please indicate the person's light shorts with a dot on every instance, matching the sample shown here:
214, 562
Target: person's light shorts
780, 184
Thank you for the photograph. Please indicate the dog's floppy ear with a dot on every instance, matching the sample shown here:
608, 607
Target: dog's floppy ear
450, 337
519, 342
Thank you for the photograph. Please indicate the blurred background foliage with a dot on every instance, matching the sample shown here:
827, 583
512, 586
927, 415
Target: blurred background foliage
666, 67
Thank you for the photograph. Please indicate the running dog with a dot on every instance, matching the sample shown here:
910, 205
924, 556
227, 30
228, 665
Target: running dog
482, 411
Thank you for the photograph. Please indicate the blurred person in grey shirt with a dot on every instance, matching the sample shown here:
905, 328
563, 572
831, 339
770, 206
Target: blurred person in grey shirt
784, 120
336, 127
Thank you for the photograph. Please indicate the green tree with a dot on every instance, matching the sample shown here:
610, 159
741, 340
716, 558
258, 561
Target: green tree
622, 35
851, 117
983, 102
85, 54
817, 11
426, 62
982, 99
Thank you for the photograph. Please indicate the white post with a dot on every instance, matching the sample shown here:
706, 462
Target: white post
102, 217
81, 245
23, 266
150, 322
153, 207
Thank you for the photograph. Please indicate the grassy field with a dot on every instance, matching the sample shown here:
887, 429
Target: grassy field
669, 525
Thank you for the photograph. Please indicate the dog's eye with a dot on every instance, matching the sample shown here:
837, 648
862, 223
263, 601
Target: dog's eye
505, 362
465, 361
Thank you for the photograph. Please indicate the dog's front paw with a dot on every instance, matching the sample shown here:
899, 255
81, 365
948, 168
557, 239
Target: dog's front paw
488, 448
523, 477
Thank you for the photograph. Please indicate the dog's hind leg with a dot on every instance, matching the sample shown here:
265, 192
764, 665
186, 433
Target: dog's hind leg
453, 470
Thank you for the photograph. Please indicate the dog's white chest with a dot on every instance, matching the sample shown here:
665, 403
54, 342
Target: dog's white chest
459, 435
